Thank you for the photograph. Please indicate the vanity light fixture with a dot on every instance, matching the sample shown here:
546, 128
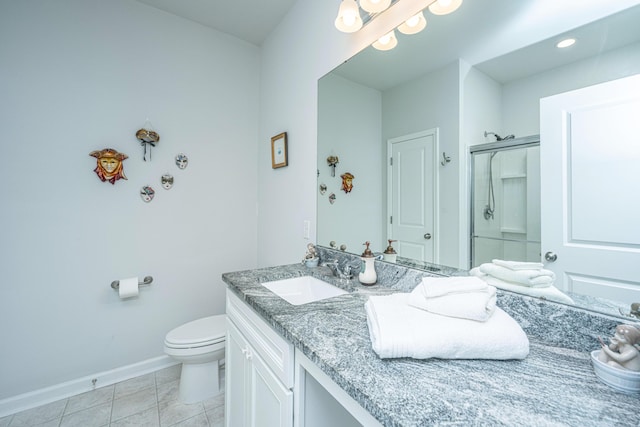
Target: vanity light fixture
444, 7
386, 42
565, 43
349, 18
413, 25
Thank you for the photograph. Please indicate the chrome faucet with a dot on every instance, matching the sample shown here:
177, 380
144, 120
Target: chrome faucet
345, 273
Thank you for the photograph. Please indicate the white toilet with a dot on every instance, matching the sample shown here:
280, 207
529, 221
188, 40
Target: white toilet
199, 345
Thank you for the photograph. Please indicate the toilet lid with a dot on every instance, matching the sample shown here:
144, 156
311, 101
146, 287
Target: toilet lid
202, 331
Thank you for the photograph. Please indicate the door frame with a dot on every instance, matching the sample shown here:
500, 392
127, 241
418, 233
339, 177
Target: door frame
436, 185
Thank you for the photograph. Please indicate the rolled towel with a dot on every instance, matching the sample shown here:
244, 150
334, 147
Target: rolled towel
476, 305
550, 293
518, 265
533, 278
438, 286
398, 330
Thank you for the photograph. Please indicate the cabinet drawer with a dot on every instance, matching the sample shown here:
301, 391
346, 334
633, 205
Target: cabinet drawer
276, 352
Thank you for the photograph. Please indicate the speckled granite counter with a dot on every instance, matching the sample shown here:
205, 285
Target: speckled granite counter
554, 386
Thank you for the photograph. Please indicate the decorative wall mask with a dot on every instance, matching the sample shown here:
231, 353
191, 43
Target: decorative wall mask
323, 188
167, 181
347, 182
145, 137
332, 198
332, 161
147, 193
109, 164
182, 160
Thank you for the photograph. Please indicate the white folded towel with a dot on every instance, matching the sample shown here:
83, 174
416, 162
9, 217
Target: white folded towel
550, 292
476, 305
438, 286
398, 330
533, 278
518, 265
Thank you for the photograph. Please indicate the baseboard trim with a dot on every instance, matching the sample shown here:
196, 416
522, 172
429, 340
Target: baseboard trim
67, 389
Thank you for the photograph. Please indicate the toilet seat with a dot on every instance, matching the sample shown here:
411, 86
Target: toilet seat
198, 333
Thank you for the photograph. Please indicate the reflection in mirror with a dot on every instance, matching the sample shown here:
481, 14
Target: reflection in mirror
505, 201
465, 92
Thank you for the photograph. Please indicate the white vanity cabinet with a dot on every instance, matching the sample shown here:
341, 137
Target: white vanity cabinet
259, 370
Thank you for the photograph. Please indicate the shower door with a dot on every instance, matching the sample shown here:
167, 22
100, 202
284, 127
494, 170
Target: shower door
505, 201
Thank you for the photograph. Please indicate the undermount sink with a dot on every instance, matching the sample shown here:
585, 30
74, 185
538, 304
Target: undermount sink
303, 290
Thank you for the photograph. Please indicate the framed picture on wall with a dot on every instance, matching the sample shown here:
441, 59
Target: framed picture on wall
279, 151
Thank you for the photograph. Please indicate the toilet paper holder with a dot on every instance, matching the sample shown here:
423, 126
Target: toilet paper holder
146, 281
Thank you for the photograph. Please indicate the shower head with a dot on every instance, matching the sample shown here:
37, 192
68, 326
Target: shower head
498, 137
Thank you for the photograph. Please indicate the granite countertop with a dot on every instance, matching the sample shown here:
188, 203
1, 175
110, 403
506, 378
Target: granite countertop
554, 386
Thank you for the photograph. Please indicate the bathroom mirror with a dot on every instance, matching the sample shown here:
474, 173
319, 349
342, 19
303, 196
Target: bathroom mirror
481, 69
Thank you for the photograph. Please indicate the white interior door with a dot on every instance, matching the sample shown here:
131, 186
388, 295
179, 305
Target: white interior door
412, 179
590, 179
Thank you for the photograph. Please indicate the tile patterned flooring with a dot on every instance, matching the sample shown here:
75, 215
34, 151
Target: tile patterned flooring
150, 400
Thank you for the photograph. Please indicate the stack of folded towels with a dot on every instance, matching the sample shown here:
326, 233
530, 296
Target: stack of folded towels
446, 318
523, 277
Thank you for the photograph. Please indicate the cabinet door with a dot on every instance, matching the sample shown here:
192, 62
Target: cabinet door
272, 402
236, 378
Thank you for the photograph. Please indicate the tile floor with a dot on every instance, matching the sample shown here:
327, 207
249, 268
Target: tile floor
150, 400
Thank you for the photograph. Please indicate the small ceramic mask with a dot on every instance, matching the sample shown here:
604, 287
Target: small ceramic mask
332, 198
167, 181
182, 160
147, 193
323, 188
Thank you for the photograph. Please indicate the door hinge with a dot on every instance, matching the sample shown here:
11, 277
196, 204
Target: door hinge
390, 161
391, 219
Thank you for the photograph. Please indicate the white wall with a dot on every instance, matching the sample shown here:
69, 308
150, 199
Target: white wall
304, 47
349, 127
430, 102
521, 98
81, 75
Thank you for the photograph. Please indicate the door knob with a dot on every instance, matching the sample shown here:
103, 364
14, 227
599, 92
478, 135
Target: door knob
550, 256
427, 236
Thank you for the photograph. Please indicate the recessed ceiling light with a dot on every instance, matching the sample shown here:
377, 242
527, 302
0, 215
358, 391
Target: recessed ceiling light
565, 43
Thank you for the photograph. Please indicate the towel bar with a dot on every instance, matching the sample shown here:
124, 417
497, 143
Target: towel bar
146, 281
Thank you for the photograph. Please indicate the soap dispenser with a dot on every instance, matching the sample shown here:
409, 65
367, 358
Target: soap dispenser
390, 254
367, 274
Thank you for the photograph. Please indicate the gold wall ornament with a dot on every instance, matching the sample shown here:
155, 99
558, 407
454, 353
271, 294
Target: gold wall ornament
347, 182
145, 137
109, 164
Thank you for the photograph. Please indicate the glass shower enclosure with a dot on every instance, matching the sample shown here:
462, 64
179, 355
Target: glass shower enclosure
505, 201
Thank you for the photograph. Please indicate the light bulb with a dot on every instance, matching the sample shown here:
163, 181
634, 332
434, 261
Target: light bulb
348, 20
565, 43
413, 25
386, 42
413, 21
443, 7
374, 6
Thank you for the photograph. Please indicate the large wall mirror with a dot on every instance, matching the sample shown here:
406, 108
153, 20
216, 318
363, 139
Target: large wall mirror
459, 106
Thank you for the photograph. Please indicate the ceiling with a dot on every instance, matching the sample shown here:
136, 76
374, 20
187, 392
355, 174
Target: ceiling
480, 32
249, 20
474, 33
